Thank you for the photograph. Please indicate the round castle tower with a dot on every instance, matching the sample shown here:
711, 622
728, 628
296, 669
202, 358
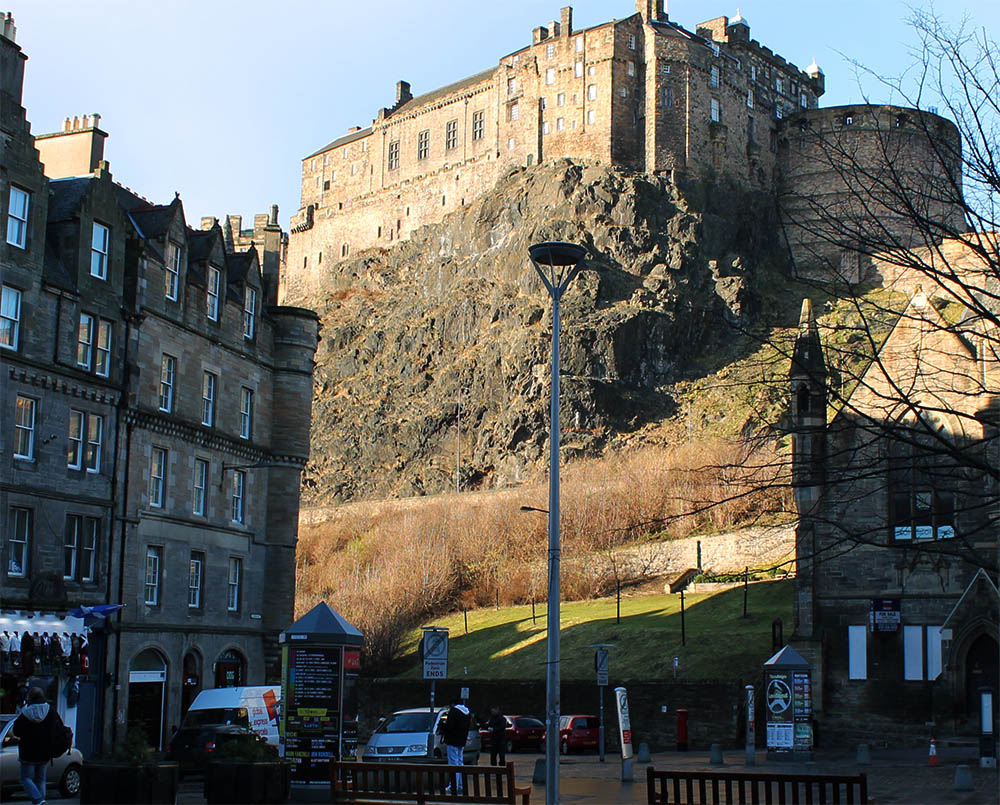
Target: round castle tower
859, 179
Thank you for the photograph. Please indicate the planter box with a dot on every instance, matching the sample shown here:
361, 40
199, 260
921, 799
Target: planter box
116, 782
233, 782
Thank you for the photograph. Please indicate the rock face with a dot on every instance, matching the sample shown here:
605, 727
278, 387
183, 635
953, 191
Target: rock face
434, 363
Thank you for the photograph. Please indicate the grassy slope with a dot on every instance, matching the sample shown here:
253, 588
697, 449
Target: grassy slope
721, 644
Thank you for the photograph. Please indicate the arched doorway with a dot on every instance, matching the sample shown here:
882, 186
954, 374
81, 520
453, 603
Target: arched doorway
191, 684
147, 684
980, 671
230, 669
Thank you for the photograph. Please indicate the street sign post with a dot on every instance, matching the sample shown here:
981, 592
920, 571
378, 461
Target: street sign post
434, 650
601, 667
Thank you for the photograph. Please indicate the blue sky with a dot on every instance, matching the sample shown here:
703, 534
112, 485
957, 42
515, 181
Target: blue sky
221, 99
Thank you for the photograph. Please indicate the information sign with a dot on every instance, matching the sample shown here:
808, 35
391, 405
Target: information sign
601, 664
624, 723
312, 718
435, 647
884, 615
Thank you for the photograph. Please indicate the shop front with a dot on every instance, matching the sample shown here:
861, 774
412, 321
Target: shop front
50, 651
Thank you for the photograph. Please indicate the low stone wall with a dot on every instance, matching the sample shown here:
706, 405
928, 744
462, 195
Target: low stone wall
714, 707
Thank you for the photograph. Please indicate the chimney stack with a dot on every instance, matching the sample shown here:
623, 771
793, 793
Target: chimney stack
566, 20
273, 219
9, 30
76, 150
402, 92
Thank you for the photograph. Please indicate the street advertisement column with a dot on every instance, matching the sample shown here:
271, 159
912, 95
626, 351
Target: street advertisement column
311, 715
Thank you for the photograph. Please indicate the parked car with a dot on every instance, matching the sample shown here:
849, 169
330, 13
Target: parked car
523, 732
412, 736
193, 746
64, 771
578, 733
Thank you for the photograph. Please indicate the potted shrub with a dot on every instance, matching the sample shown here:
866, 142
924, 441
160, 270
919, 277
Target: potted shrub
130, 773
246, 771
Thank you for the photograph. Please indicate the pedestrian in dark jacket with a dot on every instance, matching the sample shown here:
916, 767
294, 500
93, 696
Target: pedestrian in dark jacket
34, 728
498, 736
455, 733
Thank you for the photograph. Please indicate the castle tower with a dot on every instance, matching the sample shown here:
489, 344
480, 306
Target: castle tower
296, 335
807, 378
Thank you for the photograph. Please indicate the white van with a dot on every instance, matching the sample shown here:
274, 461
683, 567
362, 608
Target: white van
257, 708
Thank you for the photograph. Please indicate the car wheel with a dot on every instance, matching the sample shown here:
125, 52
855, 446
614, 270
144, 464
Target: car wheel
564, 748
510, 747
69, 785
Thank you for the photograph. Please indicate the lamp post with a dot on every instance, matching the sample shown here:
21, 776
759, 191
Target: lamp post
557, 263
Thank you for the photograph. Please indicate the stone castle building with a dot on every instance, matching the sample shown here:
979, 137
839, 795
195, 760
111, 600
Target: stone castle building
643, 93
154, 420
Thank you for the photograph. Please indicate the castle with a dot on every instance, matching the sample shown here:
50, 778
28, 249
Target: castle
643, 93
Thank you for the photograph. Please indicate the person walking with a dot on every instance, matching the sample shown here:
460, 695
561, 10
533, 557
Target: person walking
498, 736
34, 728
455, 733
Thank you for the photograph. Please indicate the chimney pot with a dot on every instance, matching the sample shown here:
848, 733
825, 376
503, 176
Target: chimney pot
76, 122
273, 221
67, 123
95, 120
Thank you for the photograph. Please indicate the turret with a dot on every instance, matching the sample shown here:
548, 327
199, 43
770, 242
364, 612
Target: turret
816, 74
807, 378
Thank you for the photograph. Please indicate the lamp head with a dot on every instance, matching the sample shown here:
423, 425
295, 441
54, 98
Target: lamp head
556, 253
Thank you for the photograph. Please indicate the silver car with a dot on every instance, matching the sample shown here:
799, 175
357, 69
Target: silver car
411, 736
64, 771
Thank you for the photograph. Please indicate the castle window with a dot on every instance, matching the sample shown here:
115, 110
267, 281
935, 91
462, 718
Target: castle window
592, 92
326, 159
574, 99
579, 44
715, 48
749, 99
550, 75
779, 113
573, 125
354, 169
379, 233
319, 181
715, 76
345, 249
478, 126
545, 127
623, 92
561, 99
631, 41
542, 103
326, 185
591, 70
591, 116
560, 124
550, 51
319, 258
513, 111
804, 101
17, 218
753, 72
511, 86
578, 69
778, 85
666, 69
716, 111
630, 68
346, 152
423, 144
510, 144
848, 120
393, 155
364, 146
444, 200
900, 121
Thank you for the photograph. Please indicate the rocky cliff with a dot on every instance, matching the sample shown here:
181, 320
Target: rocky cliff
434, 363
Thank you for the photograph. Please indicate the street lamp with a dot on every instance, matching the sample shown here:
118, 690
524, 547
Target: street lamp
557, 263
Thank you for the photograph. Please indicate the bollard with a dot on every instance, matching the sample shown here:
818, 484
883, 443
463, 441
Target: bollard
864, 755
643, 756
538, 778
682, 729
963, 778
715, 755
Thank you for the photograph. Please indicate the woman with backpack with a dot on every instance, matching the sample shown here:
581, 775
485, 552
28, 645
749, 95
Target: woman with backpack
35, 728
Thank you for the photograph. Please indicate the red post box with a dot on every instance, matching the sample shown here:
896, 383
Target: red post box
682, 729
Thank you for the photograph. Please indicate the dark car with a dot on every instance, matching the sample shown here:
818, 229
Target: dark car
578, 733
193, 747
522, 733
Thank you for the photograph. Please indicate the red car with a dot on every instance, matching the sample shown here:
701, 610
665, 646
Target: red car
578, 732
523, 732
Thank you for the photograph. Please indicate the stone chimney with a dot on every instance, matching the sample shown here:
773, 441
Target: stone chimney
651, 10
403, 93
540, 34
8, 30
566, 20
77, 150
554, 28
208, 222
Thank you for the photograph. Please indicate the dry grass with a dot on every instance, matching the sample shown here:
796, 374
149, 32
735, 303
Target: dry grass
386, 571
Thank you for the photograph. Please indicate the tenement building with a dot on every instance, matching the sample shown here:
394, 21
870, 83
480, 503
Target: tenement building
154, 417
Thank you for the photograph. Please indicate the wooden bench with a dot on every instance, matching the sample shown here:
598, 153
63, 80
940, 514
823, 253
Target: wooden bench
424, 782
717, 787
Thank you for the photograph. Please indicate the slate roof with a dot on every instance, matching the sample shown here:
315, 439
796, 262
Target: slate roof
347, 138
321, 624
65, 196
54, 270
238, 265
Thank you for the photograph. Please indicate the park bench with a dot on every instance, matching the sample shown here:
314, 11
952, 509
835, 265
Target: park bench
423, 782
751, 788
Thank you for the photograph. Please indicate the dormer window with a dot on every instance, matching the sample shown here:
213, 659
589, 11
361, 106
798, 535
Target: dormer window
212, 298
99, 251
250, 313
171, 278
